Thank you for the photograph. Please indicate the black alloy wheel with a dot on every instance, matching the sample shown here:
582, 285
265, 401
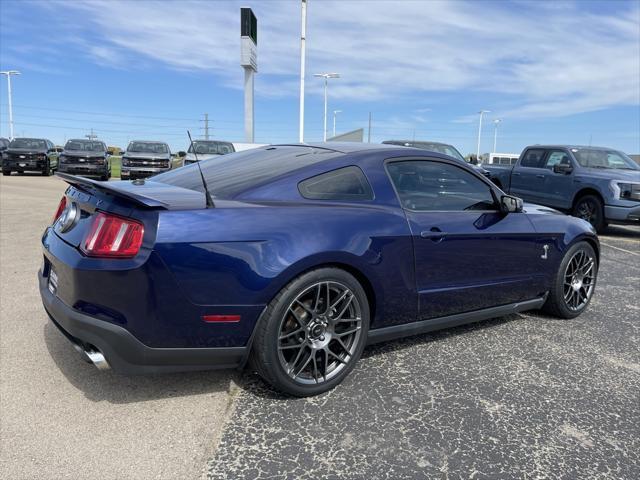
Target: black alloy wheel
312, 333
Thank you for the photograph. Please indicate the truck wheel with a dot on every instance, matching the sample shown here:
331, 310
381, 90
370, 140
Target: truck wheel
312, 333
590, 208
574, 282
6, 173
47, 170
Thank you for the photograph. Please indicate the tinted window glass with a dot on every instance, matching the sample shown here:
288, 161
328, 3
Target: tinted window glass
147, 147
347, 183
426, 185
85, 145
533, 158
207, 147
27, 143
232, 174
557, 157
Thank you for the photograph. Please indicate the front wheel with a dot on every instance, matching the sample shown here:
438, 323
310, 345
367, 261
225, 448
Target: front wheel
590, 208
47, 170
574, 283
312, 333
6, 173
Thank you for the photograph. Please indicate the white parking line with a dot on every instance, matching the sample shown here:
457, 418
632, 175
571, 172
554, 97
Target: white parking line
621, 249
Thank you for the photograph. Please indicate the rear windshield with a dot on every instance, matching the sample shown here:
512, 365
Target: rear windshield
140, 147
85, 145
34, 143
211, 148
229, 175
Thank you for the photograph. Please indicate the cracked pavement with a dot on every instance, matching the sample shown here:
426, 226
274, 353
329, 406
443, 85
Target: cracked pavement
523, 396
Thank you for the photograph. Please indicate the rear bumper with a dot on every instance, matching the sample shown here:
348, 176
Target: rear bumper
622, 215
123, 351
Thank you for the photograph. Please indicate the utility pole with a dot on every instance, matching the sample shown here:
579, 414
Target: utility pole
206, 126
481, 112
91, 136
495, 134
369, 135
8, 73
303, 48
335, 113
326, 77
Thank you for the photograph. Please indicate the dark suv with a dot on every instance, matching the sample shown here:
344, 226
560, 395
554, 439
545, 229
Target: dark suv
88, 158
30, 155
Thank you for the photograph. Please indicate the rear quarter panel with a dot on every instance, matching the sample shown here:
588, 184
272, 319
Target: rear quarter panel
245, 255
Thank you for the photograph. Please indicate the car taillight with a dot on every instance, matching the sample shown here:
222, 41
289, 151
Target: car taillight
61, 207
113, 236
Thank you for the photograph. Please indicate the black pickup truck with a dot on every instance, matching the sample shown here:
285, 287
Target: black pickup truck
30, 155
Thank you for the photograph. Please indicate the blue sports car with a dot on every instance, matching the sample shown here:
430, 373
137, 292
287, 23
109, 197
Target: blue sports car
294, 257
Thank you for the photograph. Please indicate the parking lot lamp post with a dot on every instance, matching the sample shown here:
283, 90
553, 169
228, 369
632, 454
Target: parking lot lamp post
495, 134
481, 112
8, 73
335, 113
326, 77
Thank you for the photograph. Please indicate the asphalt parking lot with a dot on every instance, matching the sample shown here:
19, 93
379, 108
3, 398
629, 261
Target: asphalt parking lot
525, 396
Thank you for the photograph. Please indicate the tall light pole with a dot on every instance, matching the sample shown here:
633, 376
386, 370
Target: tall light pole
326, 77
8, 73
303, 50
335, 113
481, 112
495, 133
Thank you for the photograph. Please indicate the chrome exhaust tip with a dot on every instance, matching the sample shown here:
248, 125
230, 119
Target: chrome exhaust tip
97, 358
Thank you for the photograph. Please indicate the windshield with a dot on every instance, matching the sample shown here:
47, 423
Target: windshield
147, 147
597, 158
85, 145
29, 143
211, 148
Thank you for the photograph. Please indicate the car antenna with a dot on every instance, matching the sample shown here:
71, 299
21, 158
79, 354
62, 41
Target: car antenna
207, 195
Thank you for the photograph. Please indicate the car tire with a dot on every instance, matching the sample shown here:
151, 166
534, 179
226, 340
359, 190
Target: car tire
303, 348
6, 173
590, 208
574, 282
47, 170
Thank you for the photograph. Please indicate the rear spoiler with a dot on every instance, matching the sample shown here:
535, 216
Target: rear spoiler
147, 194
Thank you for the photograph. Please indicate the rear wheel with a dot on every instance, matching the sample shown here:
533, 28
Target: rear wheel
574, 283
312, 333
6, 173
590, 208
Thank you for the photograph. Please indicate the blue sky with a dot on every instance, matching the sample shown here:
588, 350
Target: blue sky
553, 72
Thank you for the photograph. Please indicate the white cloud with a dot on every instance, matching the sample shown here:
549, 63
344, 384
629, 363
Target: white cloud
544, 59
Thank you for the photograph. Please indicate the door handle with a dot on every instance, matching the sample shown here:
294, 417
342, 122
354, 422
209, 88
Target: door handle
515, 174
435, 234
540, 175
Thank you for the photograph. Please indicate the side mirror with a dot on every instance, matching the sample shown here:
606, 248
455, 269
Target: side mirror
563, 168
509, 204
182, 154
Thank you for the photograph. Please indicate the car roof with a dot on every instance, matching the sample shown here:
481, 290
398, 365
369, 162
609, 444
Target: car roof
578, 147
417, 142
84, 140
340, 147
148, 141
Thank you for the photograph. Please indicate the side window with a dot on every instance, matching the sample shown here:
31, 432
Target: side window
533, 158
347, 183
434, 186
557, 157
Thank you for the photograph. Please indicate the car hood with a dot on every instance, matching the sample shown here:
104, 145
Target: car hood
539, 209
81, 153
611, 174
159, 156
205, 156
26, 150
